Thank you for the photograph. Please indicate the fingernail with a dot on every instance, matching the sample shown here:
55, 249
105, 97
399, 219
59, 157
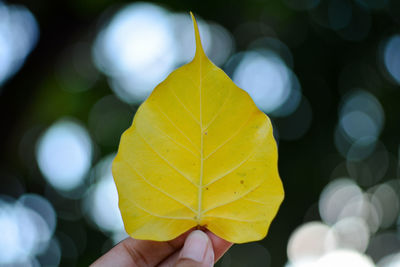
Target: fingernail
195, 246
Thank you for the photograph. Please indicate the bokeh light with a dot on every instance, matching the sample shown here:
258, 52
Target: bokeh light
136, 50
46, 211
185, 45
334, 198
391, 56
372, 166
353, 217
101, 202
361, 149
19, 33
268, 80
52, 255
345, 258
309, 242
144, 42
383, 244
327, 73
352, 233
222, 44
361, 121
216, 40
361, 115
64, 154
27, 228
391, 260
386, 202
361, 207
357, 124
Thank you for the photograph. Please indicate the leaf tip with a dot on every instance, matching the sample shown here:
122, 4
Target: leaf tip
199, 47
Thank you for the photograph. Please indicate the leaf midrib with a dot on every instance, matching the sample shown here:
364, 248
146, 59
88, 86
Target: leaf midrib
200, 188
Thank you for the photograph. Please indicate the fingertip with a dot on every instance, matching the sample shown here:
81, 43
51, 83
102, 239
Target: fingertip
197, 251
216, 238
220, 245
179, 241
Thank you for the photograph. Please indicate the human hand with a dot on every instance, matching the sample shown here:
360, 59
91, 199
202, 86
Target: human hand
192, 249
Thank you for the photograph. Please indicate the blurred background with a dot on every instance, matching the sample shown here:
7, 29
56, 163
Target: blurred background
327, 72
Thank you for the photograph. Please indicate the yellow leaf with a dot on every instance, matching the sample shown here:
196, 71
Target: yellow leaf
199, 152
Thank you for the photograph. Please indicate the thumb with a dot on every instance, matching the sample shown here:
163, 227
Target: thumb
197, 251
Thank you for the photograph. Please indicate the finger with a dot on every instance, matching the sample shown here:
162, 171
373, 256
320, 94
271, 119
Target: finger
197, 251
138, 253
220, 245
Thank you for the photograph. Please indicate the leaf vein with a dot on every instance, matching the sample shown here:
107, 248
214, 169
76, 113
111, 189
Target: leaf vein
231, 170
233, 200
184, 106
165, 160
232, 219
156, 187
176, 142
219, 110
230, 138
158, 215
176, 127
201, 78
255, 201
